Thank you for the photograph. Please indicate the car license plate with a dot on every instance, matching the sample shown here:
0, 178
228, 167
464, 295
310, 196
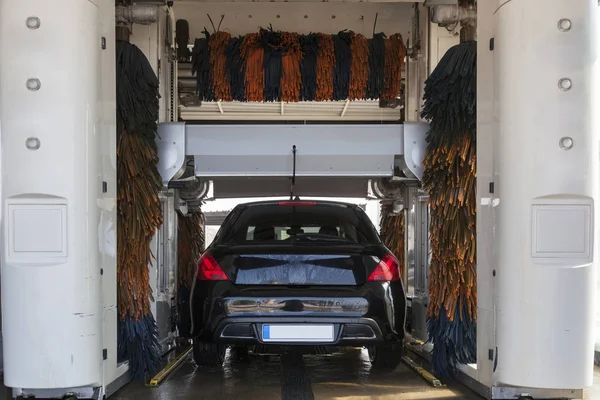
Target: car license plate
298, 333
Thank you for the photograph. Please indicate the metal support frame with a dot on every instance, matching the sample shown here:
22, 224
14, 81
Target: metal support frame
124, 376
80, 393
418, 223
505, 393
265, 151
464, 376
163, 272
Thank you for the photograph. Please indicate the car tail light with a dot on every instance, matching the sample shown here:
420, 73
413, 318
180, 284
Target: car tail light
210, 270
297, 203
387, 270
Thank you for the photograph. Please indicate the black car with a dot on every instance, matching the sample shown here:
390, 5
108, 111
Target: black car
297, 273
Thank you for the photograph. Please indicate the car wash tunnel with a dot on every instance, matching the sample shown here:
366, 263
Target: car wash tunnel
299, 199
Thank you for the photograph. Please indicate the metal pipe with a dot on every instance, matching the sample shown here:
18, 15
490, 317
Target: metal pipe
185, 73
123, 33
136, 14
447, 14
468, 33
187, 81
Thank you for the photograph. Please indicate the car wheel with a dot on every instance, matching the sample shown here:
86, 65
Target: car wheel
208, 355
240, 354
386, 356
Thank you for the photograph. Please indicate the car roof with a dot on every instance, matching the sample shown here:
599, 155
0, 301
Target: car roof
277, 202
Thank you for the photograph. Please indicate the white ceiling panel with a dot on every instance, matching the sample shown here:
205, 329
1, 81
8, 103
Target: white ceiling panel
245, 17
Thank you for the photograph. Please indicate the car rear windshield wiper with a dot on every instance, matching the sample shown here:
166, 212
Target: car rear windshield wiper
315, 238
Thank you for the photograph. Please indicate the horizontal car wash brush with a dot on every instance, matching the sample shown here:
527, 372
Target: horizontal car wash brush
287, 66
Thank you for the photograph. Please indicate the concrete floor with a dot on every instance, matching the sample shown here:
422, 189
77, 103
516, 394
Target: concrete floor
594, 392
344, 376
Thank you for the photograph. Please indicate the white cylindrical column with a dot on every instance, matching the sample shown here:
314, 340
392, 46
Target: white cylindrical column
51, 181
546, 175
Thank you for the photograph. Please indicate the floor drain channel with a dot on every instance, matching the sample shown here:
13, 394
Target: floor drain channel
295, 384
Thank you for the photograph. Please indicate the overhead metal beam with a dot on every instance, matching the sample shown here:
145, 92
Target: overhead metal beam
333, 151
318, 1
203, 113
215, 218
224, 188
431, 3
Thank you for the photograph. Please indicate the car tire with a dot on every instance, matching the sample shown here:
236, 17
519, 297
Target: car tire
208, 355
239, 354
386, 356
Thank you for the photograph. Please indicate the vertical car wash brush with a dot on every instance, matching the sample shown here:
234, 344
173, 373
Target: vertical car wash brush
138, 207
450, 178
190, 246
393, 234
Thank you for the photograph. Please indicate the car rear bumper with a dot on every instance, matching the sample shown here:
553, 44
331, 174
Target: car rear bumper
346, 331
360, 315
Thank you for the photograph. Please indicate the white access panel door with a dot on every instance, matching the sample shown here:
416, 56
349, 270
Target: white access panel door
561, 232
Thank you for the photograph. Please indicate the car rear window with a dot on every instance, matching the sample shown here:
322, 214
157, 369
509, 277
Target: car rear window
274, 223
